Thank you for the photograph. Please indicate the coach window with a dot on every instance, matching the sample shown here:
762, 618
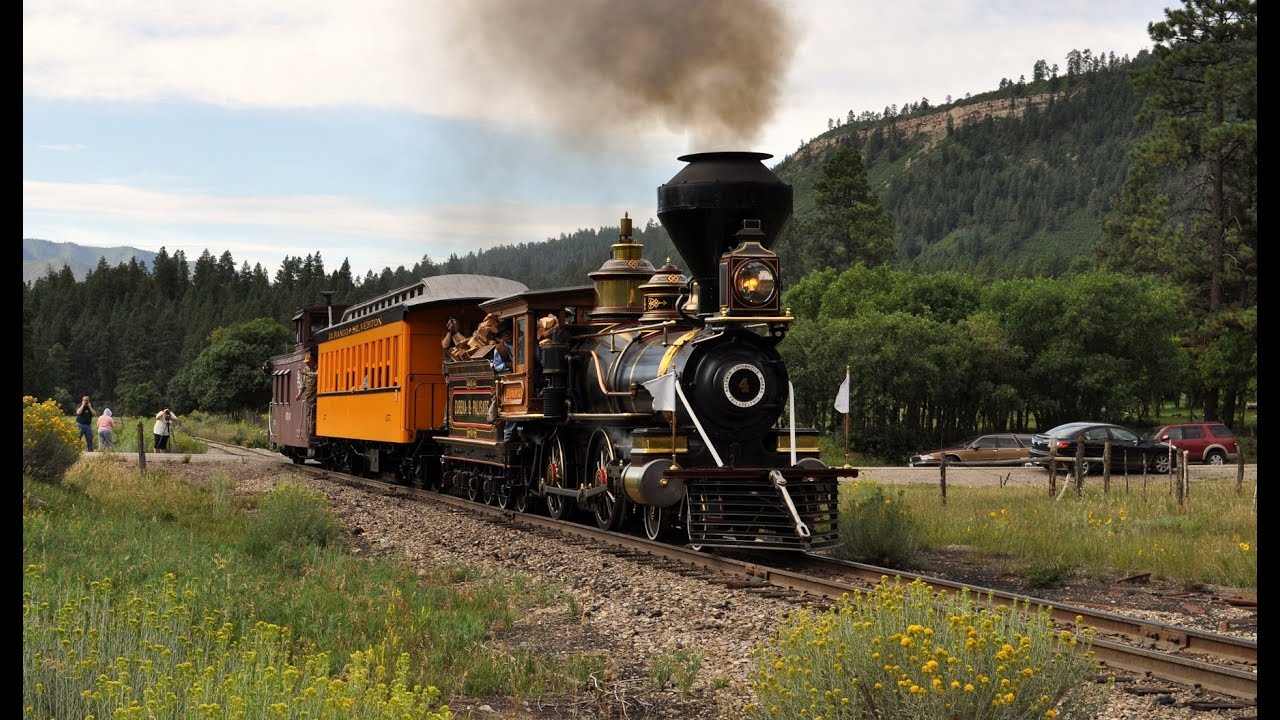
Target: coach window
379, 363
392, 370
384, 353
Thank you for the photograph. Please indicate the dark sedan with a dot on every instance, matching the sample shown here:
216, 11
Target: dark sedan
1129, 451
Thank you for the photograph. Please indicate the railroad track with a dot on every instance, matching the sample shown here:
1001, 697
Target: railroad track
1190, 657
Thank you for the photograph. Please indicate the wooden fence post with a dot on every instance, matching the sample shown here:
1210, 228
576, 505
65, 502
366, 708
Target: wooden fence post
1106, 467
142, 451
942, 467
1177, 486
1053, 468
1184, 468
1079, 469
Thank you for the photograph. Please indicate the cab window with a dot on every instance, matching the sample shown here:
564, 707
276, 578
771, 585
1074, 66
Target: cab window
522, 326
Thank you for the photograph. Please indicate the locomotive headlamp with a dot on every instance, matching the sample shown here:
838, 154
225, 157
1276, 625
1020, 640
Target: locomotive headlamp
754, 283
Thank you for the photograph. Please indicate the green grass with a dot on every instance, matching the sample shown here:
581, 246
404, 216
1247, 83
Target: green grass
1212, 539
126, 534
244, 429
182, 441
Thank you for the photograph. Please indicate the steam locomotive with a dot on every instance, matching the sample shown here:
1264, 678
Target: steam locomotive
655, 397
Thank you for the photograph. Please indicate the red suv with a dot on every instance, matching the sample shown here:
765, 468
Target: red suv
1207, 442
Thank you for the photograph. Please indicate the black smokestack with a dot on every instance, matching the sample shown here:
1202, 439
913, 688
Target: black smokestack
710, 68
705, 203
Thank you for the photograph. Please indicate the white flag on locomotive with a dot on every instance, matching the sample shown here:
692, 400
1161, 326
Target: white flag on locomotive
663, 390
842, 395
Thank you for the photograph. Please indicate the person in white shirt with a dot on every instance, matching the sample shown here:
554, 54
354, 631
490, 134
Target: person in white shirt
163, 429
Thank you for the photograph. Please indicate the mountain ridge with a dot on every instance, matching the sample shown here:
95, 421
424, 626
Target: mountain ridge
40, 257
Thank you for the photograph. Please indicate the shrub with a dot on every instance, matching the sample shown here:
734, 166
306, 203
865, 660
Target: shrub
1046, 574
50, 442
292, 516
905, 652
679, 667
249, 437
148, 654
874, 528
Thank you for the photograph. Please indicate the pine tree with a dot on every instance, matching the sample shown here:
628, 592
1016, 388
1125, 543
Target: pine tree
1201, 229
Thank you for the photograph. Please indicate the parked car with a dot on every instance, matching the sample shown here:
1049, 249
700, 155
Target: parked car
1129, 451
1206, 442
995, 448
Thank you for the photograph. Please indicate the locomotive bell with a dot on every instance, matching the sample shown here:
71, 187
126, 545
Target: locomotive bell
705, 204
618, 280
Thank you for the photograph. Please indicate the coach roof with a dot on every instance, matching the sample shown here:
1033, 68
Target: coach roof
434, 289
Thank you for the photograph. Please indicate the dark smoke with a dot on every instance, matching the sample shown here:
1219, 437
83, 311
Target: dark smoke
710, 69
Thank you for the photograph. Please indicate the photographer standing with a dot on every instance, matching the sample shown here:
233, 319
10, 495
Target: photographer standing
84, 421
163, 428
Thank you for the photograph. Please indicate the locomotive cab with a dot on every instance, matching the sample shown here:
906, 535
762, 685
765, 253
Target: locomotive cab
555, 312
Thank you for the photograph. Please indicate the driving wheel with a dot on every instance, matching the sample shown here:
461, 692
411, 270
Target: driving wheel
608, 506
502, 493
520, 500
558, 506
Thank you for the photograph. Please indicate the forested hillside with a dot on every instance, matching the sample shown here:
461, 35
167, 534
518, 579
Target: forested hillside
1011, 183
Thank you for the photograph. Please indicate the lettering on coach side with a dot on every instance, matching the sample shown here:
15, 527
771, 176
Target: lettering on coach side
358, 328
471, 408
390, 316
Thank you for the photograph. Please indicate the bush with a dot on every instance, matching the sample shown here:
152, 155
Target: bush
99, 653
904, 652
1046, 574
876, 529
249, 437
50, 442
293, 517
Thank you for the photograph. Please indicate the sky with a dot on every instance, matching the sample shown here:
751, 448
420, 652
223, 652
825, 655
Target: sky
385, 131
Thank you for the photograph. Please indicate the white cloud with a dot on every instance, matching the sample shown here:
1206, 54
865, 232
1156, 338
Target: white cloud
64, 147
853, 54
268, 228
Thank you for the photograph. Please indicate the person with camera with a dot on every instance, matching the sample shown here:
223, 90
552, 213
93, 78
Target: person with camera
84, 421
163, 429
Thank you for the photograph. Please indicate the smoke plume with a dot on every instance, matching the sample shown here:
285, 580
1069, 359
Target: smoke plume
709, 69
